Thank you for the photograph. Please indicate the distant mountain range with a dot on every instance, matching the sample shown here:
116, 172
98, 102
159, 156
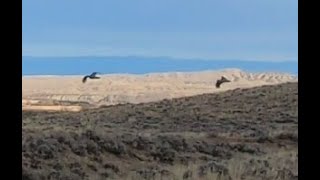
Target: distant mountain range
142, 65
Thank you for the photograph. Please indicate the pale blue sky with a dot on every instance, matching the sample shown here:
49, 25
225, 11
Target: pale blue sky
262, 30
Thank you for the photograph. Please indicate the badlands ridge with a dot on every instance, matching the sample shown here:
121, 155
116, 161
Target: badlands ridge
114, 89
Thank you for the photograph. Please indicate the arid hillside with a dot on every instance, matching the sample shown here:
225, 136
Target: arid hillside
238, 134
128, 88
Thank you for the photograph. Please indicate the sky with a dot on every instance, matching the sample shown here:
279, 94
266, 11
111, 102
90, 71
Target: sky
257, 30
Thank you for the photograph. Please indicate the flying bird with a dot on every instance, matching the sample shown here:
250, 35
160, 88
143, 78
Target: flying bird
91, 76
221, 81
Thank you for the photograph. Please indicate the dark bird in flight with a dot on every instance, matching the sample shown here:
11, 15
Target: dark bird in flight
221, 81
91, 76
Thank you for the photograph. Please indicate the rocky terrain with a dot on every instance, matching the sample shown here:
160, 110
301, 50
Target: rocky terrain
238, 134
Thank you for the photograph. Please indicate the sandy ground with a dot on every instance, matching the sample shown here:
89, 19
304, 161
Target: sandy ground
127, 88
51, 108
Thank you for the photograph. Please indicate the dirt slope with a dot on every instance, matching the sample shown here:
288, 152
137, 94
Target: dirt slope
237, 134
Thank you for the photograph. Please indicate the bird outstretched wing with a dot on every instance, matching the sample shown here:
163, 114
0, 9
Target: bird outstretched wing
220, 81
94, 74
84, 79
223, 79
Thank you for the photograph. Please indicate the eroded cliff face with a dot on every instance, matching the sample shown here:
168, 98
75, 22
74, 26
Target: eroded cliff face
118, 89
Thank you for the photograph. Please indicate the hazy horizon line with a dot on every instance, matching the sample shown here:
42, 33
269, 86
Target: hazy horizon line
168, 72
159, 58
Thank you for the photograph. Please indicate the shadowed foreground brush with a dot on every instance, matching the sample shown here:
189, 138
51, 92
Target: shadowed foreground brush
240, 134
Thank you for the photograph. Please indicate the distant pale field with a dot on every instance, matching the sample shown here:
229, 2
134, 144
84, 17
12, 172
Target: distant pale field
126, 88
